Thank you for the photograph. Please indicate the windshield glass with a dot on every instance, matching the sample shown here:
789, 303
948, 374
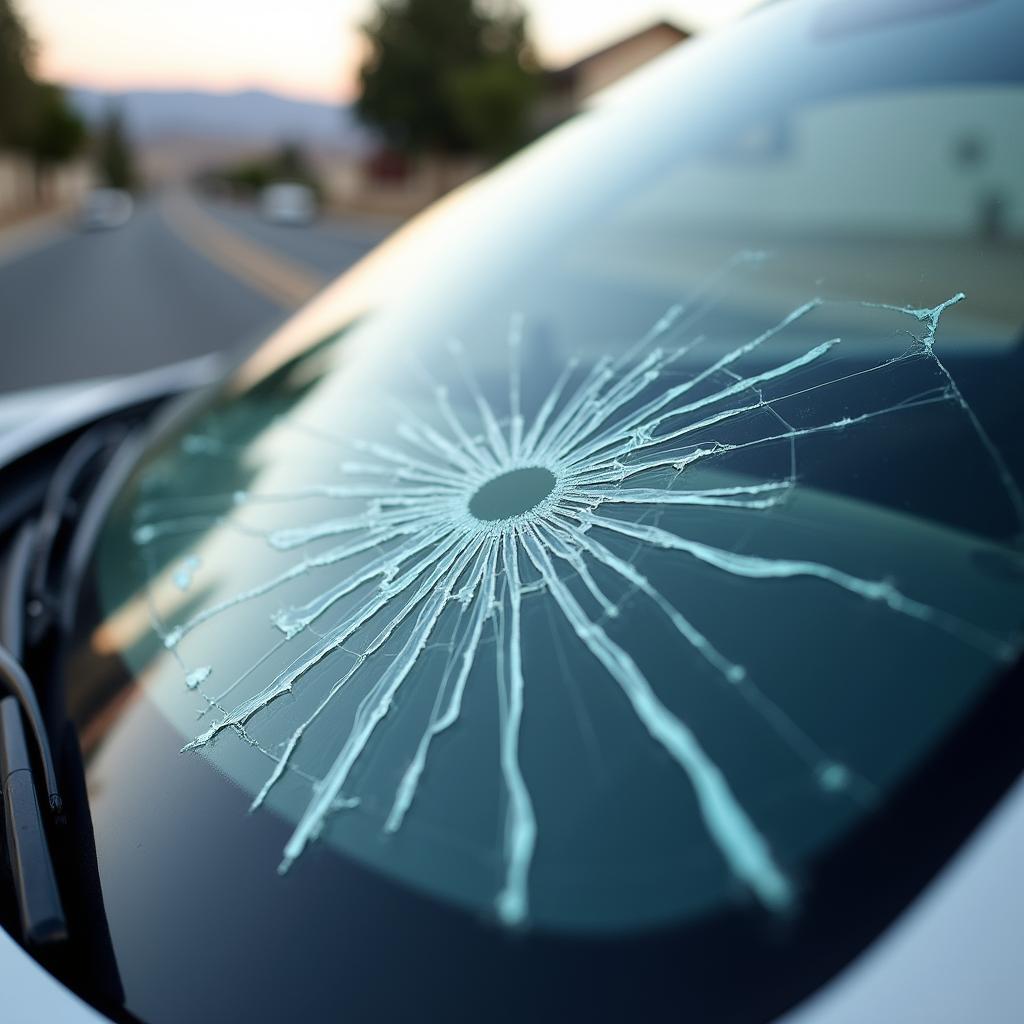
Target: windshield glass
603, 555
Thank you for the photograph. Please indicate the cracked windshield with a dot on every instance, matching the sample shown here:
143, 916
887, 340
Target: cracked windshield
611, 545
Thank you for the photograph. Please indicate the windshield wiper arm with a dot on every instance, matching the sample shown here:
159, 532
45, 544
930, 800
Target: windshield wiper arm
14, 679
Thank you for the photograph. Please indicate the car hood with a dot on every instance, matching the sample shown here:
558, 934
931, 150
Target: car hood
30, 417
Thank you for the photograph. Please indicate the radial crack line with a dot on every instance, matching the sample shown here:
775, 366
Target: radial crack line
399, 459
756, 567
647, 412
483, 457
335, 555
734, 675
400, 521
329, 791
555, 536
547, 408
615, 447
931, 316
382, 637
409, 785
284, 681
512, 902
632, 383
599, 375
652, 496
728, 669
292, 621
515, 343
744, 848
426, 438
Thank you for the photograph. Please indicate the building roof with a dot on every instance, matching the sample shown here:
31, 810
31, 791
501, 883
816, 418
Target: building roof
570, 70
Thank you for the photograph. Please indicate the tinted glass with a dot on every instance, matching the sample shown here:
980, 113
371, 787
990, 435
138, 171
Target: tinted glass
600, 557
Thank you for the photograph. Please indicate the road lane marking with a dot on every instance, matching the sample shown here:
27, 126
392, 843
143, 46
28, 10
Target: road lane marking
280, 279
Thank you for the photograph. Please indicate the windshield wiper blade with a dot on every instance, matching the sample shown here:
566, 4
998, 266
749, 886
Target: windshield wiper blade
39, 903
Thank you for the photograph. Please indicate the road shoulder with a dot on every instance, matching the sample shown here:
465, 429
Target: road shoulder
30, 234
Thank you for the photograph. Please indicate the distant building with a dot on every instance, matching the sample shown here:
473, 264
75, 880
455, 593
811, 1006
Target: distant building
568, 88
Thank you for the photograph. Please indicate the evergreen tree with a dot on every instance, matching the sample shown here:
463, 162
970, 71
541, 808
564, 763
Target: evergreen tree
448, 76
114, 158
16, 84
57, 131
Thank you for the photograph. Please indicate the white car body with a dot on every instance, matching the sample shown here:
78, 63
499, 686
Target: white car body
288, 203
106, 208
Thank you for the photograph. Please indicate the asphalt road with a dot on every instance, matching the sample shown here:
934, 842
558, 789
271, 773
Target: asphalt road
179, 280
327, 247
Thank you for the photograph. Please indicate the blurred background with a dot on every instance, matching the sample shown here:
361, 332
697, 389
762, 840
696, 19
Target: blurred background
177, 175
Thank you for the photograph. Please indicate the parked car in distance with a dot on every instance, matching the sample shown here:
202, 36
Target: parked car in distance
288, 203
106, 208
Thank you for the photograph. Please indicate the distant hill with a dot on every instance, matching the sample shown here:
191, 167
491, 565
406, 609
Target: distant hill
252, 116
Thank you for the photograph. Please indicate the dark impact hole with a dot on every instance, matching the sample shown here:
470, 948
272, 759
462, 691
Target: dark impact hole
512, 493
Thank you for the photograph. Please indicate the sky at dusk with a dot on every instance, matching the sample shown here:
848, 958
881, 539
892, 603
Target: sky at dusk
305, 48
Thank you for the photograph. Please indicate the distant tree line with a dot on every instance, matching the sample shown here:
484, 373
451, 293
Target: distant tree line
248, 178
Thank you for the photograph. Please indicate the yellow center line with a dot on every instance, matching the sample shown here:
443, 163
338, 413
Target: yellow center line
282, 280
